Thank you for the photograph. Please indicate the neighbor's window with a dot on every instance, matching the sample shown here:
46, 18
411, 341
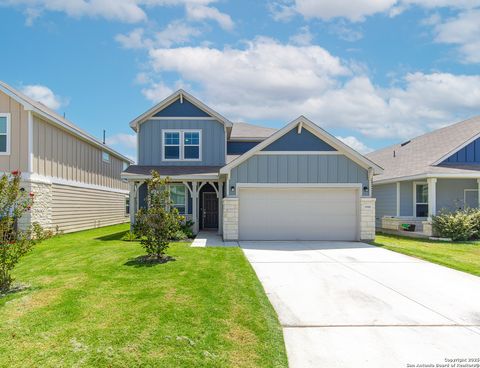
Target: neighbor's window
421, 200
127, 206
4, 133
178, 197
181, 145
171, 145
105, 156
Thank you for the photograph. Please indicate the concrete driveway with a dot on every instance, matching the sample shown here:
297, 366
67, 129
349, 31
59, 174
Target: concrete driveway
347, 304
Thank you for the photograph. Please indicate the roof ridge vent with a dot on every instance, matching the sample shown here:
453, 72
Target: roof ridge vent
405, 143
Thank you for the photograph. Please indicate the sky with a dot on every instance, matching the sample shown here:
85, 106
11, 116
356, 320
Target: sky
371, 72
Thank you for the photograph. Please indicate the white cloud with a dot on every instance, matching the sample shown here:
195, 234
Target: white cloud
303, 38
282, 81
203, 12
344, 32
43, 95
356, 144
127, 141
462, 30
358, 10
177, 32
128, 11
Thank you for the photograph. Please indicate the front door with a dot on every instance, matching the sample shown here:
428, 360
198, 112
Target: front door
210, 210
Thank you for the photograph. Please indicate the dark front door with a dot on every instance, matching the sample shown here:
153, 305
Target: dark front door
210, 211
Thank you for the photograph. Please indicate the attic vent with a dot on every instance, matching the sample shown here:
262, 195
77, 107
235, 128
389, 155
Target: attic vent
405, 143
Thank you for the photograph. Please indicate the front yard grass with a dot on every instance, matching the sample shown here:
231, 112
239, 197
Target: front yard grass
89, 304
460, 256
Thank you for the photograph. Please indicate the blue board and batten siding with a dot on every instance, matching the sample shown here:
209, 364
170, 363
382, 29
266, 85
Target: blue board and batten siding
239, 148
305, 141
470, 154
179, 109
150, 142
386, 203
291, 168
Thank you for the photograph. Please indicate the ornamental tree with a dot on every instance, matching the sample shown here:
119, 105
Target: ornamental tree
157, 225
14, 243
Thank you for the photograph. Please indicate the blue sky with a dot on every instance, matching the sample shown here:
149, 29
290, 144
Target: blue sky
372, 72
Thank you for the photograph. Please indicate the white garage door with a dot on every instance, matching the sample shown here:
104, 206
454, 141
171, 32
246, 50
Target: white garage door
298, 214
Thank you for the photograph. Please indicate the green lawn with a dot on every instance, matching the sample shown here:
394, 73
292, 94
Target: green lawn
89, 305
460, 256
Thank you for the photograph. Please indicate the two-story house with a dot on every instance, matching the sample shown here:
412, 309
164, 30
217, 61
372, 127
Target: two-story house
75, 178
250, 182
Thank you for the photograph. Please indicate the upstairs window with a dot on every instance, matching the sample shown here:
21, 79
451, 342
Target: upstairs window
105, 157
182, 145
4, 134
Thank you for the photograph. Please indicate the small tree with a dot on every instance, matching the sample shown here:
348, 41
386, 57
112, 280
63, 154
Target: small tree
157, 225
14, 243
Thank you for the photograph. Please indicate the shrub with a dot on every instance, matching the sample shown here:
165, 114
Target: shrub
186, 228
458, 225
157, 225
14, 243
129, 236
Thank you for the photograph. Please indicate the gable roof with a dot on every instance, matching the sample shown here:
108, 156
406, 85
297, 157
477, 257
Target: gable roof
249, 132
56, 119
422, 155
180, 94
305, 123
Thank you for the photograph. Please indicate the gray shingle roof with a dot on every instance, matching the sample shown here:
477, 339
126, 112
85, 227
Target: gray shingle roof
245, 131
418, 156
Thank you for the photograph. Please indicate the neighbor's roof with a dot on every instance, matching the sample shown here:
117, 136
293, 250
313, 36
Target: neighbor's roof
422, 154
245, 132
55, 118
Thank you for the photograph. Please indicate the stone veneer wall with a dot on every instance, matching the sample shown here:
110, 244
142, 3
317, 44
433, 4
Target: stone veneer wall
230, 218
41, 211
394, 223
367, 218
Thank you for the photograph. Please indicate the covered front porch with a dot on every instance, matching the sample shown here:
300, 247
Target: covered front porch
197, 195
417, 201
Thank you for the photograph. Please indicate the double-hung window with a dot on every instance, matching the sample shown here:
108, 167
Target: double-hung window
182, 145
421, 199
4, 134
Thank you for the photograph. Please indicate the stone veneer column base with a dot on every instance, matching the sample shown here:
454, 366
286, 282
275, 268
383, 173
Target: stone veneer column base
367, 218
230, 218
427, 228
41, 211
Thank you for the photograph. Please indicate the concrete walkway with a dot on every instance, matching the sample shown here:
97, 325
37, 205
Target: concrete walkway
211, 239
354, 305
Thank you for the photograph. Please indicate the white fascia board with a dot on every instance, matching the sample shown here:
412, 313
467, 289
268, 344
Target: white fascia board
427, 176
171, 99
314, 129
198, 177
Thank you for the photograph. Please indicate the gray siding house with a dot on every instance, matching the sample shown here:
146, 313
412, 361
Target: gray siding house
249, 182
438, 171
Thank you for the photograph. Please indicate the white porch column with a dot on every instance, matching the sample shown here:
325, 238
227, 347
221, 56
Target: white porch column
133, 202
195, 207
398, 199
432, 197
478, 184
220, 207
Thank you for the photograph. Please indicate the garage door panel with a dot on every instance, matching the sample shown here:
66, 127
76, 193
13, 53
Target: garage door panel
298, 214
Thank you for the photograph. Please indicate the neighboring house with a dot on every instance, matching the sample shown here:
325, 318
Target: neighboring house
427, 174
75, 178
253, 183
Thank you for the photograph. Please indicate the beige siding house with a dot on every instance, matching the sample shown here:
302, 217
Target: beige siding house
75, 178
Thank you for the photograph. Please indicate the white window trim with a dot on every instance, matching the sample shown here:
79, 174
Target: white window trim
415, 183
7, 134
465, 195
182, 144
